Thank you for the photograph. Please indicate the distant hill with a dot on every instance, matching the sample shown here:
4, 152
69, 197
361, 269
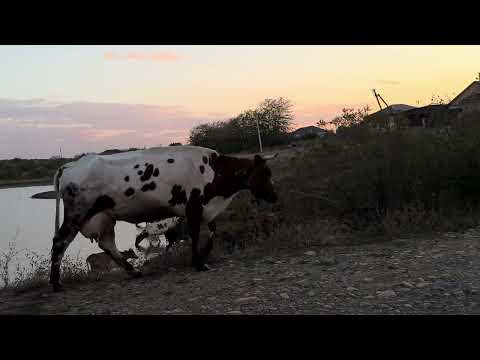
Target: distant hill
116, 151
307, 130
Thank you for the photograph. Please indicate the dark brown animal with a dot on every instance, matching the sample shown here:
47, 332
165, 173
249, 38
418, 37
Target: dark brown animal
103, 262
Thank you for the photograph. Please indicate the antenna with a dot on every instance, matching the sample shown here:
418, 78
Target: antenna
61, 157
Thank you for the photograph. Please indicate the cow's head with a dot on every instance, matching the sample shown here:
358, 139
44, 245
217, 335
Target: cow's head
260, 181
129, 254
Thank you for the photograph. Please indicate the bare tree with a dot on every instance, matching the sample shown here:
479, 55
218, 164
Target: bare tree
349, 117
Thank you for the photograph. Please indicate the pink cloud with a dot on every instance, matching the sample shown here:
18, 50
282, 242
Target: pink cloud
165, 132
156, 56
40, 125
33, 131
5, 120
100, 134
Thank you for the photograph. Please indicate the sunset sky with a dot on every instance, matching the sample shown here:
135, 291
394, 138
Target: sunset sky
91, 98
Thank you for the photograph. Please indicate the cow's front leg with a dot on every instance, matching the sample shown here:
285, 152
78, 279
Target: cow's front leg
172, 237
194, 212
212, 228
107, 244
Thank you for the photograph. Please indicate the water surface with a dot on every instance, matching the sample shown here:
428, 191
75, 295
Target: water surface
30, 224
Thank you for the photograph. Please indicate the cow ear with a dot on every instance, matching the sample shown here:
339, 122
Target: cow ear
257, 160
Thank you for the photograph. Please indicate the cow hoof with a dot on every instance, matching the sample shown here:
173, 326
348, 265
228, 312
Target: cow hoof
57, 287
136, 274
202, 267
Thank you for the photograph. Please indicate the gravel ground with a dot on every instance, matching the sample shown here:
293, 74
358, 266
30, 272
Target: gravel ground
436, 275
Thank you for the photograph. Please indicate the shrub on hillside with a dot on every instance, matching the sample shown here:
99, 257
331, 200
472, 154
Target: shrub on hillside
273, 116
368, 176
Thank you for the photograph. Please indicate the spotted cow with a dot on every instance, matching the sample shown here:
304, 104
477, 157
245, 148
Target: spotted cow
148, 186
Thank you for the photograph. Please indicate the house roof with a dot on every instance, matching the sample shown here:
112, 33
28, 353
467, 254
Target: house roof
469, 95
395, 108
426, 108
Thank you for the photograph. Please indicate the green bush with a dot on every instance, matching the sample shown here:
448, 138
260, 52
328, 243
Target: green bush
367, 176
274, 118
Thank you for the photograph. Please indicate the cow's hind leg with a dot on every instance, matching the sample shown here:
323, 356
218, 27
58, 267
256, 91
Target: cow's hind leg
61, 240
107, 244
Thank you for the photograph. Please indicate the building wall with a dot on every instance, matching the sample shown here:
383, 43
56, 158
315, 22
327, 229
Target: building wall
472, 107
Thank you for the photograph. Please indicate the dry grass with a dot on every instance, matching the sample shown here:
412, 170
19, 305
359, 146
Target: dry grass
6, 259
412, 221
35, 271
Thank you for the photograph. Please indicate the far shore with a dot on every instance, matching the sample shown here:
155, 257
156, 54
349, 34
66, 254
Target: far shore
25, 183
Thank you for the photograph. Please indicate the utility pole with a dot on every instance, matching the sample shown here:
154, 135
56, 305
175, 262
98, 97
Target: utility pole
376, 97
259, 137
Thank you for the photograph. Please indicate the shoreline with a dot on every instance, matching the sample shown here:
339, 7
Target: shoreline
25, 183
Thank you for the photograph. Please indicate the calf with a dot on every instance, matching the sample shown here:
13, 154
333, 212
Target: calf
102, 262
148, 186
173, 229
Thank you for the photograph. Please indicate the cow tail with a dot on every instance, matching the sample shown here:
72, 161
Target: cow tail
56, 181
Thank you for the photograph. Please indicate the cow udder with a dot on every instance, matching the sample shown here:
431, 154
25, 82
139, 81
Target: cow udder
97, 225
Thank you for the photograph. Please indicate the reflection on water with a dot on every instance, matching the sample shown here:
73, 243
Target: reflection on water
30, 224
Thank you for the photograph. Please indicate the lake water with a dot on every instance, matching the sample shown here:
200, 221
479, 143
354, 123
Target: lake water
30, 224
